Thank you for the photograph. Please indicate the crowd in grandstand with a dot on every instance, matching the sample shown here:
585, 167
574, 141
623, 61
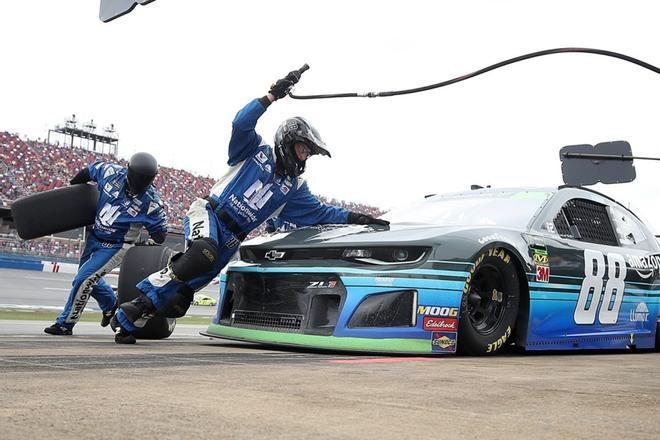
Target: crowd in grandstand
64, 248
28, 166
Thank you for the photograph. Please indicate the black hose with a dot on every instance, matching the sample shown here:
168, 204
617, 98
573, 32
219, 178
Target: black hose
484, 70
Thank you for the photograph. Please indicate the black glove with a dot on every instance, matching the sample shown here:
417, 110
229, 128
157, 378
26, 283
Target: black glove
82, 177
282, 86
356, 218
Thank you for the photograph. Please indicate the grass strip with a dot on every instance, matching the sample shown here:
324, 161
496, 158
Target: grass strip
50, 315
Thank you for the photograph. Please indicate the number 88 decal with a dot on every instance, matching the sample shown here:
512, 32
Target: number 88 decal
592, 286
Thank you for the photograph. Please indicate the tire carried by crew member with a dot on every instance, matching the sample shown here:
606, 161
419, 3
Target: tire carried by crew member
489, 305
139, 262
54, 211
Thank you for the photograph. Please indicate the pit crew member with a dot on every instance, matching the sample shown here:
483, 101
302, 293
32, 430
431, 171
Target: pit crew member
261, 182
127, 201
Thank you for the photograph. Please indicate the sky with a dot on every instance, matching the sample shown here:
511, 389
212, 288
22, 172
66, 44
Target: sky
172, 74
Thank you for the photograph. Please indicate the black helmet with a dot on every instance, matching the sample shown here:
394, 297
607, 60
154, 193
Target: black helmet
288, 133
142, 169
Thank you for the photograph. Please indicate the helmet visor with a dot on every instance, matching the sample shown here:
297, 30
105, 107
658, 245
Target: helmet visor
137, 182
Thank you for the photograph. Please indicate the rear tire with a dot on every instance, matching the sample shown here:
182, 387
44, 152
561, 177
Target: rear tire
54, 211
140, 262
489, 306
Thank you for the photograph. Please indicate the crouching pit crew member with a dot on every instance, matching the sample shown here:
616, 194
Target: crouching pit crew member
261, 182
127, 201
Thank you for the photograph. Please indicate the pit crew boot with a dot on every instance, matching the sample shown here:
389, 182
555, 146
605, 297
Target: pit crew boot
124, 337
107, 316
58, 330
139, 310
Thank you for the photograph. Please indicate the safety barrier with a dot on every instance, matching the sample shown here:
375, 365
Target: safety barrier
25, 262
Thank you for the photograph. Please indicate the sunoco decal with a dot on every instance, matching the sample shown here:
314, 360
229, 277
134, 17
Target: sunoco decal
443, 342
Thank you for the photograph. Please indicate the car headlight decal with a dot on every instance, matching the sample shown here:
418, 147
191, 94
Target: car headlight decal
391, 309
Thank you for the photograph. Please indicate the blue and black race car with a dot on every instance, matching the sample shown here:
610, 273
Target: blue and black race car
472, 272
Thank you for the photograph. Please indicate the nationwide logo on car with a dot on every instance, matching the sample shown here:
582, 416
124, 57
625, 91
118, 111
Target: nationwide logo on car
437, 311
446, 324
443, 342
640, 314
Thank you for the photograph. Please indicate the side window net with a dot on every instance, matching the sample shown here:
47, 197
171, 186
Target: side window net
587, 221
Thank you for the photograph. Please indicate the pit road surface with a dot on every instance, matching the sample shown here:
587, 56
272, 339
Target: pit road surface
188, 386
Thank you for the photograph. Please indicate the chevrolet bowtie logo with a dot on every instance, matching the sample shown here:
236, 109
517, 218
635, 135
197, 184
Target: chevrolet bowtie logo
274, 255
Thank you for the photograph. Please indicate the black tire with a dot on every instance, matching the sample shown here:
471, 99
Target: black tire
489, 306
140, 262
54, 211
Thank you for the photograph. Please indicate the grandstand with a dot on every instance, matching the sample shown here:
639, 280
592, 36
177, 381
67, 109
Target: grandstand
28, 166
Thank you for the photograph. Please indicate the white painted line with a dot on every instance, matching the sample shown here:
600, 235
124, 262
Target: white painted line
28, 307
56, 288
38, 307
67, 280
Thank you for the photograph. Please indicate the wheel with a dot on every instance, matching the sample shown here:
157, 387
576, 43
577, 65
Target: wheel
489, 305
140, 262
54, 211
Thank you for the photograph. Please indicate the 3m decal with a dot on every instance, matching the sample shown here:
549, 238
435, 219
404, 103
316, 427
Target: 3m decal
437, 311
543, 274
500, 341
592, 287
443, 342
440, 324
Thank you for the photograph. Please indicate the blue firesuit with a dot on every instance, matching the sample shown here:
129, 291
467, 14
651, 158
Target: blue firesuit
117, 225
247, 195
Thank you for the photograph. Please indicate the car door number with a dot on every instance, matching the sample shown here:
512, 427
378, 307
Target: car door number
592, 288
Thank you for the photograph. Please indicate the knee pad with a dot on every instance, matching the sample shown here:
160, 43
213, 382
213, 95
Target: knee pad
199, 258
139, 310
178, 304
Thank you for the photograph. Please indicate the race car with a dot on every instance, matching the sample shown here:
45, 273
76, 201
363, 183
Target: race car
473, 272
204, 300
